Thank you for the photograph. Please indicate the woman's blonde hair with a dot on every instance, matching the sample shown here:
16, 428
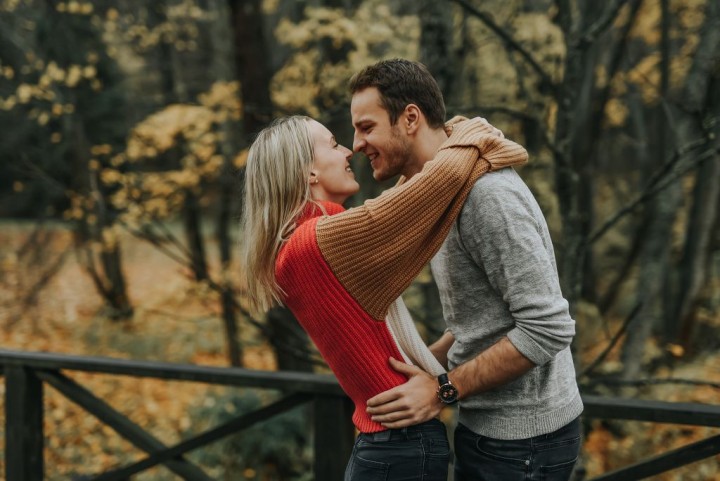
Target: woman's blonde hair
277, 189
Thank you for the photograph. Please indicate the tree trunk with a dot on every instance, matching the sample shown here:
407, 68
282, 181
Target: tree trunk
435, 42
109, 280
220, 35
227, 296
655, 266
255, 73
703, 101
655, 259
566, 175
193, 233
289, 340
251, 62
696, 258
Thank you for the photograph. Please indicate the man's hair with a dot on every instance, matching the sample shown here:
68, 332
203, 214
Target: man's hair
401, 82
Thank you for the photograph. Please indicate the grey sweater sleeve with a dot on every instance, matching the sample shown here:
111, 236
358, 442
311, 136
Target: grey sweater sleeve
504, 231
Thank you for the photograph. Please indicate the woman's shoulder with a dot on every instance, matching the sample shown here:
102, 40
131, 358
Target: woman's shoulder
302, 239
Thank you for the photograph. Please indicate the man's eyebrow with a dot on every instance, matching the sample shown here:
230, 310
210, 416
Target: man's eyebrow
363, 122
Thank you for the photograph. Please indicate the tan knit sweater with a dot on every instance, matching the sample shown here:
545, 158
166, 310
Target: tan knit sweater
374, 255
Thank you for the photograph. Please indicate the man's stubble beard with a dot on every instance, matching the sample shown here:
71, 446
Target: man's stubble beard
397, 155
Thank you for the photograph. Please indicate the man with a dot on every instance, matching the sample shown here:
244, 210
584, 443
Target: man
509, 328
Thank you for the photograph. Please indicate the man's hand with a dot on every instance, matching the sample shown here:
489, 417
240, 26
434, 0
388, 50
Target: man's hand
411, 403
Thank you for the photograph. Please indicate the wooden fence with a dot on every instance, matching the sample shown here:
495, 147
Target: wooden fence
26, 373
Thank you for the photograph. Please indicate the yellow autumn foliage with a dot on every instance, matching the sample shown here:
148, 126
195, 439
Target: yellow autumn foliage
307, 83
241, 159
160, 130
196, 130
544, 38
24, 93
616, 112
646, 76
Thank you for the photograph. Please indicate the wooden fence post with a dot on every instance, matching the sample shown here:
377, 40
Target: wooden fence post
23, 425
334, 436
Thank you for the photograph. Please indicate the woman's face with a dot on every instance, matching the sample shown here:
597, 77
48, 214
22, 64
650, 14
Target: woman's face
330, 178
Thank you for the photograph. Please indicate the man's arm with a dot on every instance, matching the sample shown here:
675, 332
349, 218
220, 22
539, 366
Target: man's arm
416, 401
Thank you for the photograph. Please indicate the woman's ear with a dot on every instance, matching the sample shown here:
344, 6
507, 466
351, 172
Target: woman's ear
411, 118
313, 178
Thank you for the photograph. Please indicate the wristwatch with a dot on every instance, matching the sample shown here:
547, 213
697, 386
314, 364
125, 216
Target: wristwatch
447, 393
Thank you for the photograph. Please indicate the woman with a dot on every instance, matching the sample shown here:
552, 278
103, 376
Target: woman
341, 272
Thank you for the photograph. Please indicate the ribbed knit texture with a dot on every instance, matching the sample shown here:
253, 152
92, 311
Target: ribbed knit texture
377, 249
341, 272
355, 346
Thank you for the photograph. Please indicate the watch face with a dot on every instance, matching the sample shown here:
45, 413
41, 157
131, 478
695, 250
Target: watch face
448, 393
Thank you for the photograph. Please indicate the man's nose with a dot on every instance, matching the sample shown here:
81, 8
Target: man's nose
358, 144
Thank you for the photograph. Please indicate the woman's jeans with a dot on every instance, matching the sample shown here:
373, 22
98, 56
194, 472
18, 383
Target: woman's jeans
415, 453
548, 457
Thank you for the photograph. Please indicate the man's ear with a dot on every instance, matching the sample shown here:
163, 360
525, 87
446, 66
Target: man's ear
411, 118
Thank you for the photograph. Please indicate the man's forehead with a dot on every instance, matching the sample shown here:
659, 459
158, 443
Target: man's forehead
366, 106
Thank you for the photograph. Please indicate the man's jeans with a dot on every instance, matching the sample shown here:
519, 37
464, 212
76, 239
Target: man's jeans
415, 453
548, 457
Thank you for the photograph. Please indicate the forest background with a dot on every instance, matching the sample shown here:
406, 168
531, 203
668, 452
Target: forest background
123, 134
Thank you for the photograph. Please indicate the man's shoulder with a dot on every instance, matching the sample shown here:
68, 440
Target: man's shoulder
495, 186
498, 179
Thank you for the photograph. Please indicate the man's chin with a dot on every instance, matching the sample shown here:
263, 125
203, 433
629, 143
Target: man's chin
379, 176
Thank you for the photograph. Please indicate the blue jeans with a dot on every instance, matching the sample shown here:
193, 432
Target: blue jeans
415, 453
548, 457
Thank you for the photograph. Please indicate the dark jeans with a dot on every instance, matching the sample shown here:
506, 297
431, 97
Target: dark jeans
415, 453
548, 457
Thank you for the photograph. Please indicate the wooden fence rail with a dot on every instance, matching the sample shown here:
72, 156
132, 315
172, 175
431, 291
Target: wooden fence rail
27, 372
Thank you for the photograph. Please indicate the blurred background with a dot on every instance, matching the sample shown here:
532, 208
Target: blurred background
124, 126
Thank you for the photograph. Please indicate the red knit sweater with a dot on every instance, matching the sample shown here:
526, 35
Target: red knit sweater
340, 272
355, 346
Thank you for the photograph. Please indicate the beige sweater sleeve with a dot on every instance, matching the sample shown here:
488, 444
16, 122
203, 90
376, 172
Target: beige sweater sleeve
377, 249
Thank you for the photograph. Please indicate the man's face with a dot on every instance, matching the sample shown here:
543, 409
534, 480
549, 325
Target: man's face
387, 147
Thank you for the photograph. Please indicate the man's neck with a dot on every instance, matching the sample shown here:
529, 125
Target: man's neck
425, 147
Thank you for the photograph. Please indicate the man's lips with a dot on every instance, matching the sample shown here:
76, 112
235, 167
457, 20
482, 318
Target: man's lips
372, 158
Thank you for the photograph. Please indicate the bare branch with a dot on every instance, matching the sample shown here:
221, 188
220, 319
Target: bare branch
518, 114
602, 24
603, 96
157, 242
215, 286
466, 109
92, 269
613, 342
33, 291
508, 40
655, 187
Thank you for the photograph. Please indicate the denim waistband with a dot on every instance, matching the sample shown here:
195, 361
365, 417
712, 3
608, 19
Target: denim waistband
410, 432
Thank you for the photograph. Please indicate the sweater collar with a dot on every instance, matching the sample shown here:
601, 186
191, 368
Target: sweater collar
312, 210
